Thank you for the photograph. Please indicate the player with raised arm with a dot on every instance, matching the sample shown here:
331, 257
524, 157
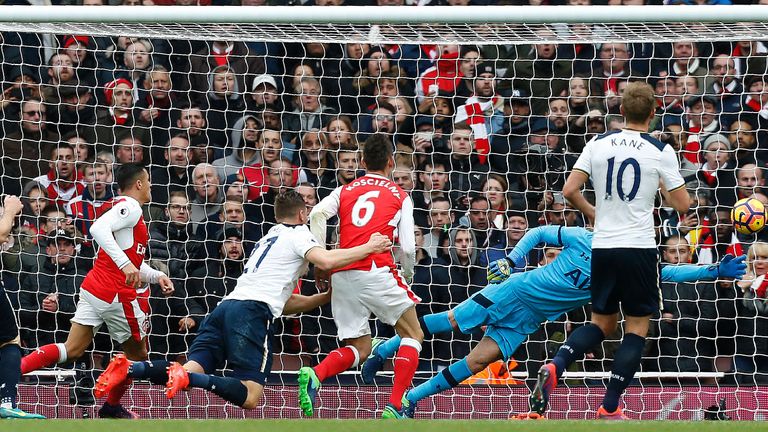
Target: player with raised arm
371, 204
240, 329
115, 291
627, 168
514, 306
10, 352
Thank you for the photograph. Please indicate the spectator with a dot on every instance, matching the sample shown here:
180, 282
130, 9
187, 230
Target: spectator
191, 120
347, 164
48, 298
743, 139
84, 208
62, 182
477, 219
701, 113
613, 68
484, 90
116, 120
433, 183
689, 316
440, 221
750, 180
175, 176
494, 188
542, 74
314, 157
173, 242
263, 92
25, 152
234, 55
751, 359
444, 76
725, 86
246, 145
309, 110
309, 194
404, 177
35, 200
155, 106
466, 171
718, 171
512, 138
129, 149
685, 62
208, 193
223, 106
339, 133
84, 151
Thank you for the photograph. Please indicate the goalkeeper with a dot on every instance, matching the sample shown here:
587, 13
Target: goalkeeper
515, 305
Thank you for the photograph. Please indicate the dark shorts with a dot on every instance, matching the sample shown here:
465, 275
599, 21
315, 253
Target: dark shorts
238, 332
627, 276
9, 329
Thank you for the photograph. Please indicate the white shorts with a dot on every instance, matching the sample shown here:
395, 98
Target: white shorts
358, 293
124, 320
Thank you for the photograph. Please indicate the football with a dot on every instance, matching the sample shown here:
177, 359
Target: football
748, 216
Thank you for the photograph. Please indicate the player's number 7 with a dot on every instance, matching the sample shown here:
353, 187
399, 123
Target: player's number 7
269, 242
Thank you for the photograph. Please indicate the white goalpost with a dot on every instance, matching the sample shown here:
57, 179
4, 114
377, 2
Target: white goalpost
323, 79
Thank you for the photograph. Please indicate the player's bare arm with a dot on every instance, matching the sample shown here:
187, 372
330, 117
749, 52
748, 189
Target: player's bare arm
678, 198
331, 259
298, 303
572, 192
12, 206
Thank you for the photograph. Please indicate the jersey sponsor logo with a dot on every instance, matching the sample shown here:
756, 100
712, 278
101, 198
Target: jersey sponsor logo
140, 249
368, 181
123, 212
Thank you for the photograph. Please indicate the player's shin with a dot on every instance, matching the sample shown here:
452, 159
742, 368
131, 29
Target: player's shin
625, 364
10, 357
44, 356
582, 339
230, 389
406, 362
449, 377
337, 362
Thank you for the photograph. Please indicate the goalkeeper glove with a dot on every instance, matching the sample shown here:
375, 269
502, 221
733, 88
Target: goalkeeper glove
732, 267
499, 270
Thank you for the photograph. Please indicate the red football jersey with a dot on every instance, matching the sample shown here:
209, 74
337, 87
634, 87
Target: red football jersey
122, 236
370, 204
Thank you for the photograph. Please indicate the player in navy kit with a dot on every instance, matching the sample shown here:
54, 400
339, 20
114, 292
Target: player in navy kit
239, 330
626, 168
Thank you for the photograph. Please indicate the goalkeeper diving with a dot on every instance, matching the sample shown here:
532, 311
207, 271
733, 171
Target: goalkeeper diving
514, 305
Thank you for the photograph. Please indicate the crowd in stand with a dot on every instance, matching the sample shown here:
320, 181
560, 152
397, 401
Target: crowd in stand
224, 126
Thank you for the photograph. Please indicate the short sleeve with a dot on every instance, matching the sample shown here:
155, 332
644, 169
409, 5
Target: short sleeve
669, 171
584, 163
302, 241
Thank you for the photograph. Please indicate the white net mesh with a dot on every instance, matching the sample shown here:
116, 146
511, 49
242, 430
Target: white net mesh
287, 105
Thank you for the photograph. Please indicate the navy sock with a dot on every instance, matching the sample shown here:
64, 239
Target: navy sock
230, 389
10, 373
156, 371
582, 339
625, 364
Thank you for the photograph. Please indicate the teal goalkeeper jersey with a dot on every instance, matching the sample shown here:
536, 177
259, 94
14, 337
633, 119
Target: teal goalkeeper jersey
563, 285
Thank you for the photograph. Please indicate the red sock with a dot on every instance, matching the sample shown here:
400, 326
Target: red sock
114, 396
337, 362
45, 356
406, 361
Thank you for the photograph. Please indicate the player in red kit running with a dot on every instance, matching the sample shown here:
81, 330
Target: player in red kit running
114, 291
370, 204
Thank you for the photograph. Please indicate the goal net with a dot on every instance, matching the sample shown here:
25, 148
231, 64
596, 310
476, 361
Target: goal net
488, 108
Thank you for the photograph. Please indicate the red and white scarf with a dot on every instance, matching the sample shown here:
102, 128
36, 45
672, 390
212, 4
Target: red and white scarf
474, 115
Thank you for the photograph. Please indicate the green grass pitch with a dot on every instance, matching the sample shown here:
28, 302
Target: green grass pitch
310, 425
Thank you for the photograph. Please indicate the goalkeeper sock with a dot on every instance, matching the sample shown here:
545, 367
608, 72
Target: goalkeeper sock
406, 361
337, 362
625, 364
582, 339
448, 378
230, 389
389, 347
154, 371
10, 374
436, 323
114, 396
45, 356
